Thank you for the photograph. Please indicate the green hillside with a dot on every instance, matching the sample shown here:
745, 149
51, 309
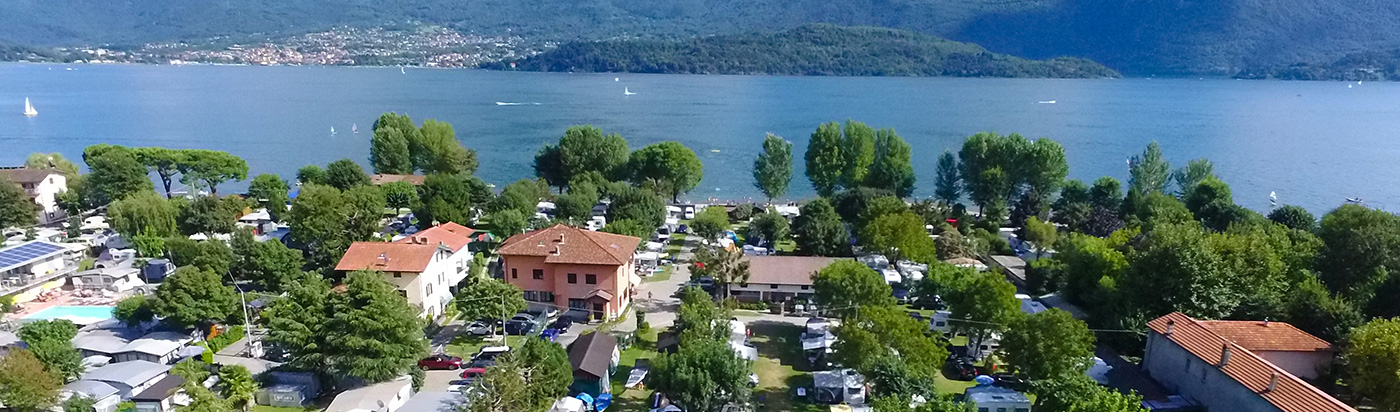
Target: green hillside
1138, 36
821, 49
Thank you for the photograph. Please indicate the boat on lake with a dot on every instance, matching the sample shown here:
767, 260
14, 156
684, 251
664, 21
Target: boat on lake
626, 92
29, 109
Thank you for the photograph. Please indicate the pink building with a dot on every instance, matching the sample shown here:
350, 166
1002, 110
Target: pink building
571, 268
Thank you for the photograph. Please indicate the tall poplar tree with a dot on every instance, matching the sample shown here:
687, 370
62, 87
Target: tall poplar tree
772, 170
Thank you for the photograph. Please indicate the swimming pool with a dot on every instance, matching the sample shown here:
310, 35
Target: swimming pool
74, 313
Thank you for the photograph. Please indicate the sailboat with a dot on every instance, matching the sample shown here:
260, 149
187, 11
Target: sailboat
29, 109
401, 71
354, 128
332, 130
626, 92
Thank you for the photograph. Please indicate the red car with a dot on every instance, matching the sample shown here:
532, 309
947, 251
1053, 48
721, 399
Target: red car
440, 362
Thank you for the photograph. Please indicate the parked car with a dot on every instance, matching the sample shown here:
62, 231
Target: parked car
521, 324
440, 361
1010, 381
965, 368
490, 353
562, 324
544, 314
477, 368
549, 335
682, 229
934, 302
479, 328
462, 385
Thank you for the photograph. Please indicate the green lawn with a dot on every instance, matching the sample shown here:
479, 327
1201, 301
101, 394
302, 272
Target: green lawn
781, 367
633, 399
786, 247
673, 246
663, 275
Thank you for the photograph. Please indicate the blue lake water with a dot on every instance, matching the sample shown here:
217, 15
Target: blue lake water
1314, 143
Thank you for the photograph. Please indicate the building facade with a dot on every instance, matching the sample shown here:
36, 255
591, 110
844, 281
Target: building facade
43, 187
425, 267
779, 278
580, 271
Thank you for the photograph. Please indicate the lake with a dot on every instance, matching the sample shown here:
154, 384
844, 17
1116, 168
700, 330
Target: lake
1314, 143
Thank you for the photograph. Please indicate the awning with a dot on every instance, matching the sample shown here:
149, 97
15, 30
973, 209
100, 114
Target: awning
599, 293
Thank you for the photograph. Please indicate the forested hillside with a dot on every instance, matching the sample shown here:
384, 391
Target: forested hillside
1139, 36
820, 49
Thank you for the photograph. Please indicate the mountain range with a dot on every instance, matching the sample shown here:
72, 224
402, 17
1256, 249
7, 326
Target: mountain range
1133, 36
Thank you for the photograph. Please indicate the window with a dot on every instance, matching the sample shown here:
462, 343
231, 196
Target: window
398, 275
513, 274
577, 304
1001, 409
430, 290
590, 278
1022, 410
538, 296
537, 273
573, 278
805, 287
982, 410
773, 286
403, 293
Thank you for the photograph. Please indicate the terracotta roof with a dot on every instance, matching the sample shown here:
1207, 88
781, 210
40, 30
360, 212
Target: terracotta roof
453, 235
606, 295
1267, 336
388, 257
380, 179
1291, 395
785, 270
26, 175
578, 246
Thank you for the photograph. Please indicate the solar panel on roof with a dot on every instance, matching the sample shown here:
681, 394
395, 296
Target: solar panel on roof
26, 252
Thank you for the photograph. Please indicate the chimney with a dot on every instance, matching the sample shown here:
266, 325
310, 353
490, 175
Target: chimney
1224, 355
1273, 383
561, 238
1266, 322
1171, 327
384, 259
555, 252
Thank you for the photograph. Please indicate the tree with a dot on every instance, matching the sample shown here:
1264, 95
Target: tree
507, 223
826, 161
440, 152
115, 174
854, 205
1107, 192
1356, 258
444, 198
988, 301
890, 376
488, 298
502, 388
768, 228
204, 400
312, 174
268, 191
344, 174
165, 163
1049, 345
296, 323
213, 256
364, 209
710, 223
1177, 269
857, 152
938, 403
704, 376
819, 231
1042, 234
268, 264
549, 373
388, 152
899, 237
209, 168
1195, 171
947, 182
846, 284
772, 170
699, 318
1211, 203
54, 161
399, 195
577, 205
1149, 171
1373, 359
378, 335
1042, 168
867, 337
194, 296
628, 227
669, 166
24, 384
1079, 393
726, 266
50, 341
134, 311
15, 207
892, 168
992, 166
582, 149
637, 205
1294, 217
79, 403
1315, 310
317, 221
210, 215
522, 196
239, 386
143, 212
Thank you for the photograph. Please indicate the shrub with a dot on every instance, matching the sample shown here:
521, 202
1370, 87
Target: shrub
222, 341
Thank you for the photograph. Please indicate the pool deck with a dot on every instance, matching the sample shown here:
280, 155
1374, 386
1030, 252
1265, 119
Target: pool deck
64, 298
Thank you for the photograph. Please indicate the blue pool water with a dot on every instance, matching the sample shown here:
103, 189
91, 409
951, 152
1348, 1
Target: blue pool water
98, 312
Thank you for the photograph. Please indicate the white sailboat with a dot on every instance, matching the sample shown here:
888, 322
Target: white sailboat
332, 130
401, 71
626, 92
29, 108
354, 128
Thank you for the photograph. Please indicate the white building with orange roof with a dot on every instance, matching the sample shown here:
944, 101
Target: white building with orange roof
425, 267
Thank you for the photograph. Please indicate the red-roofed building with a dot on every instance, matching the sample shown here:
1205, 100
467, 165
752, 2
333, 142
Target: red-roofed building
1212, 363
426, 266
584, 271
